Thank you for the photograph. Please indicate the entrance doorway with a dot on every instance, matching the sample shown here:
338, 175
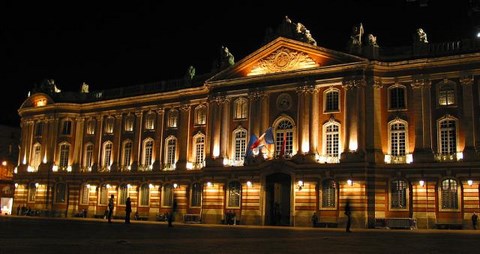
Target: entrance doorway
277, 210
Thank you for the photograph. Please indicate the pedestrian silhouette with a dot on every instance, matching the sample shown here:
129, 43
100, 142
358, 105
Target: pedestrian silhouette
348, 213
128, 210
110, 208
314, 219
474, 220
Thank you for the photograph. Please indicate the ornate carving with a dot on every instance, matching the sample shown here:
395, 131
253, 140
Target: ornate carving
256, 95
354, 83
218, 99
284, 101
466, 80
281, 60
419, 83
185, 107
378, 84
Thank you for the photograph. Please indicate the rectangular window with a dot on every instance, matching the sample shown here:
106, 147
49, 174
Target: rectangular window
67, 127
397, 98
60, 192
144, 195
85, 195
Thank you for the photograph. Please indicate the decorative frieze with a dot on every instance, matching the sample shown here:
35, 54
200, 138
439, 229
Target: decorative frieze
281, 60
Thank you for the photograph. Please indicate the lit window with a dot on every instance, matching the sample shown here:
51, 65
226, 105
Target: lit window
144, 195
109, 123
200, 115
172, 119
398, 194
240, 108
150, 121
240, 145
196, 195
234, 194
446, 94
129, 121
332, 100
64, 154
329, 194
107, 154
199, 152
449, 194
447, 136
284, 138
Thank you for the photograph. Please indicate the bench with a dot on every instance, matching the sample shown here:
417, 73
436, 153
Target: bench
192, 218
448, 225
396, 223
326, 224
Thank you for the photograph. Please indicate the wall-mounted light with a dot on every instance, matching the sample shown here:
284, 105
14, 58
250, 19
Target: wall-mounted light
249, 184
151, 186
175, 185
36, 185
16, 185
300, 185
209, 184
422, 183
350, 182
470, 182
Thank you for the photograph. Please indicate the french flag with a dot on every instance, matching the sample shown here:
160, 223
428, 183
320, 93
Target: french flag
264, 139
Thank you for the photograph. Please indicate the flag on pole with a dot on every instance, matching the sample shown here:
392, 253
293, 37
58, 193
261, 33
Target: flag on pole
284, 144
253, 139
264, 139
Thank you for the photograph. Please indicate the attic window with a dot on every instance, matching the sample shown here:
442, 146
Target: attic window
40, 102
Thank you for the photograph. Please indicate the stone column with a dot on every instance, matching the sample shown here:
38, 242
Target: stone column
469, 152
303, 113
78, 141
159, 128
314, 121
183, 136
225, 129
423, 120
354, 145
373, 122
117, 146
137, 142
98, 143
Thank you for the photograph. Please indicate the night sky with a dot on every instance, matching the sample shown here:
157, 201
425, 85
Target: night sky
116, 44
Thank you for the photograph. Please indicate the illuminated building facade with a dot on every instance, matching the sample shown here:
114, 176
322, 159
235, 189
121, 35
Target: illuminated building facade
392, 132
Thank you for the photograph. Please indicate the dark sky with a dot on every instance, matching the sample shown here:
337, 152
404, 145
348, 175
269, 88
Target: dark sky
123, 43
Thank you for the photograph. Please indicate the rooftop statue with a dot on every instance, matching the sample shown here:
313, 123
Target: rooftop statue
372, 40
49, 86
190, 73
421, 36
84, 88
226, 58
357, 34
289, 29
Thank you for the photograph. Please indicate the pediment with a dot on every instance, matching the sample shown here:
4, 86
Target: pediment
284, 55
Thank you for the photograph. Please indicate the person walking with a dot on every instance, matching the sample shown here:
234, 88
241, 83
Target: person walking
348, 213
474, 220
110, 208
128, 210
314, 219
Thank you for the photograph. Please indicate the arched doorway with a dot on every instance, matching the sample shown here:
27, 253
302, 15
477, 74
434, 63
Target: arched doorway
277, 203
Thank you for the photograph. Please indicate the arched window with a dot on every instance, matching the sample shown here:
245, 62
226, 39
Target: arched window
284, 138
127, 154
37, 156
63, 156
107, 155
240, 108
239, 146
167, 195
331, 141
88, 156
200, 115
170, 152
332, 100
329, 194
447, 136
122, 194
172, 118
147, 154
199, 152
60, 192
234, 193
144, 195
449, 194
398, 194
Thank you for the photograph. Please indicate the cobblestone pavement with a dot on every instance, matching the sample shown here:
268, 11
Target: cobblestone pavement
20, 234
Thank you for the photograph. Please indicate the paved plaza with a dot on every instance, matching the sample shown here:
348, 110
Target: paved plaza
20, 234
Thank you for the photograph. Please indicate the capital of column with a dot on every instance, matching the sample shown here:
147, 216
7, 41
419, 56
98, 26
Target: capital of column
185, 107
256, 95
311, 89
466, 80
354, 83
160, 111
419, 83
378, 84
